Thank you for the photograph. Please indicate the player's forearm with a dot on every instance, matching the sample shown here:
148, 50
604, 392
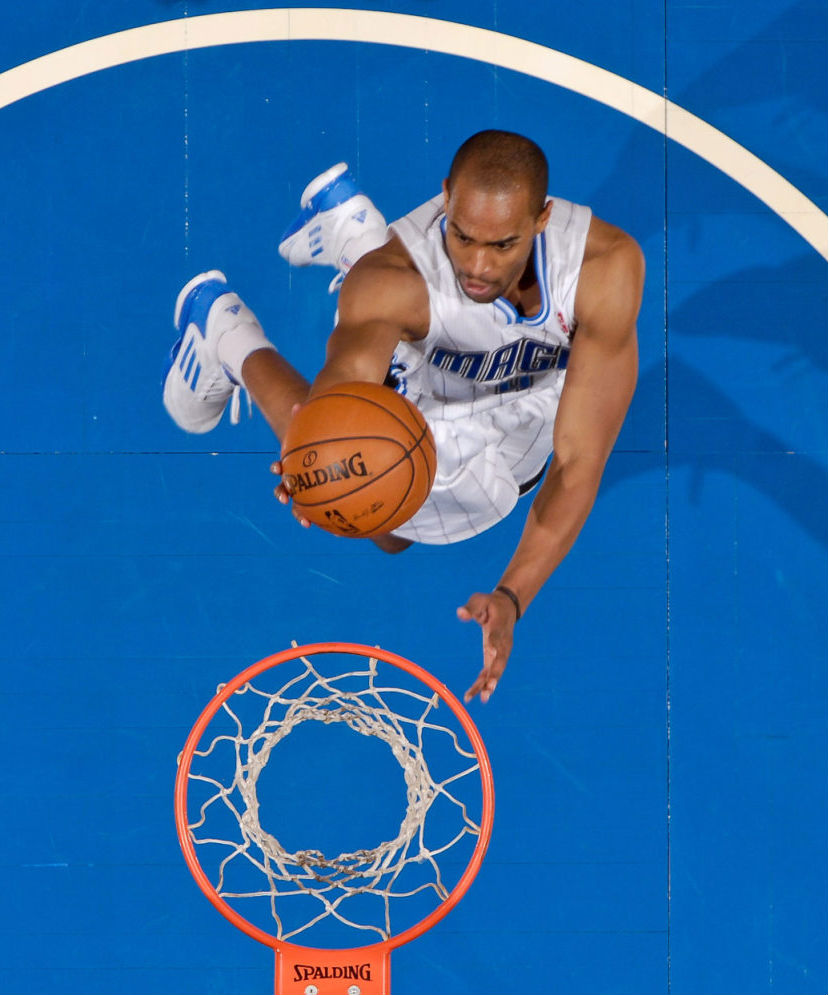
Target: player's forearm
357, 353
348, 369
553, 524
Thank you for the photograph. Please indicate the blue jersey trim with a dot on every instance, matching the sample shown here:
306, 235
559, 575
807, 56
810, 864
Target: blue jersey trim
506, 309
540, 264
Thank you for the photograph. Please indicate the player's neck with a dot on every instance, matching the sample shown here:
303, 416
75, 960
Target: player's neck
526, 294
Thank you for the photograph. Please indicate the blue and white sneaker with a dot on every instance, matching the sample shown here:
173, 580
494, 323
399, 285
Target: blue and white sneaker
196, 385
336, 226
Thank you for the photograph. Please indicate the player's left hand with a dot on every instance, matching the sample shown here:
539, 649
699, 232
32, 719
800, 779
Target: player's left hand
496, 616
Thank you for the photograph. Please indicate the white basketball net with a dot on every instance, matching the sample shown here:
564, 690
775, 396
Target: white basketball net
334, 882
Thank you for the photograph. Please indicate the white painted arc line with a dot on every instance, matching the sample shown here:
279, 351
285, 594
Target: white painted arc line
429, 34
745, 168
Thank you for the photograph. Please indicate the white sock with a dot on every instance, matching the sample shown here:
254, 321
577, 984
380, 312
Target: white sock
355, 242
242, 336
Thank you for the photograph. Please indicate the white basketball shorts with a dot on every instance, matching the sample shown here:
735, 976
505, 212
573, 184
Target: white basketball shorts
484, 455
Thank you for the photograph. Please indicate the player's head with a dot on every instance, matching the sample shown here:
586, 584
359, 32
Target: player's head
495, 201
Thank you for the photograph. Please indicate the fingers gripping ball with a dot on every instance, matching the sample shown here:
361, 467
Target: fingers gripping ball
358, 459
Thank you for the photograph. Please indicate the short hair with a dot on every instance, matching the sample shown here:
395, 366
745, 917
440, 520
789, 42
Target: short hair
497, 160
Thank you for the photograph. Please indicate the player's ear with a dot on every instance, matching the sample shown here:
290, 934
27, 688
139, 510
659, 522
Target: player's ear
446, 195
543, 217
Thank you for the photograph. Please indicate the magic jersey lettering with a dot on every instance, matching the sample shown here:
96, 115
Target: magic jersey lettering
522, 356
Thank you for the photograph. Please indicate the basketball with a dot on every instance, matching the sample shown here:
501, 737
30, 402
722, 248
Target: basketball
358, 459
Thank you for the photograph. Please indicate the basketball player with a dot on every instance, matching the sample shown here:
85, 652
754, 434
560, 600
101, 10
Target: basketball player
476, 304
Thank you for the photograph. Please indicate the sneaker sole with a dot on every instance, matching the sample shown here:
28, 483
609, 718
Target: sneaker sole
188, 288
321, 182
330, 189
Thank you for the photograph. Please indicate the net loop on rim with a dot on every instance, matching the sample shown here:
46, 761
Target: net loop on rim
355, 888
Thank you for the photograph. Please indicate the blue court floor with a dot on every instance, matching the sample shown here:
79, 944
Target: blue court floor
659, 738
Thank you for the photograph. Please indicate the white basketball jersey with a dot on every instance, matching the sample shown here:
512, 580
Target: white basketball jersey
486, 352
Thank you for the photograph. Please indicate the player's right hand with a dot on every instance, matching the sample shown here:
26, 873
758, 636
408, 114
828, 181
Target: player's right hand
283, 494
496, 616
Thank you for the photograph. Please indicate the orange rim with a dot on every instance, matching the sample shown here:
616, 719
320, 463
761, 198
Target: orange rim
355, 649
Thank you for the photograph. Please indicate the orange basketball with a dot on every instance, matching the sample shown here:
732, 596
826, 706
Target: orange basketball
358, 459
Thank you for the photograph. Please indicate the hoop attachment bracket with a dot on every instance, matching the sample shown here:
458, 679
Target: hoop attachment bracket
308, 971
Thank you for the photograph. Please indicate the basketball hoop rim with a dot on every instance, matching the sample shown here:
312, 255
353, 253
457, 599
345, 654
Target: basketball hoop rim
355, 649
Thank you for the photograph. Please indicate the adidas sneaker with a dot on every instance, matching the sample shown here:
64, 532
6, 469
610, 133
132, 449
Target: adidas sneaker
196, 385
337, 224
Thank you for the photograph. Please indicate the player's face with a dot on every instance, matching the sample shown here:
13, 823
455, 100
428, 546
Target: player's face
489, 238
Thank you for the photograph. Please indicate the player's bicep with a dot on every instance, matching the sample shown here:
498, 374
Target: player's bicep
377, 290
371, 321
603, 366
601, 378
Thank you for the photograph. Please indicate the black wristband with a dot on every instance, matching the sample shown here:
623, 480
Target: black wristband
513, 598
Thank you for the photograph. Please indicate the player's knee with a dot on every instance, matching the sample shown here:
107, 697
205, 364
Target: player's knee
391, 543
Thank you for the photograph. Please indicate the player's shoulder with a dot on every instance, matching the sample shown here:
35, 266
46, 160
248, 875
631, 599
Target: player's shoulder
610, 247
387, 270
612, 273
386, 283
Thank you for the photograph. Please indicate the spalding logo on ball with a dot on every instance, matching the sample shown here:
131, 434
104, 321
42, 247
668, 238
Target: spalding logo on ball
358, 459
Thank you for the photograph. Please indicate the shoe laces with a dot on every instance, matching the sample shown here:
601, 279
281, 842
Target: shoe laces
236, 404
217, 390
